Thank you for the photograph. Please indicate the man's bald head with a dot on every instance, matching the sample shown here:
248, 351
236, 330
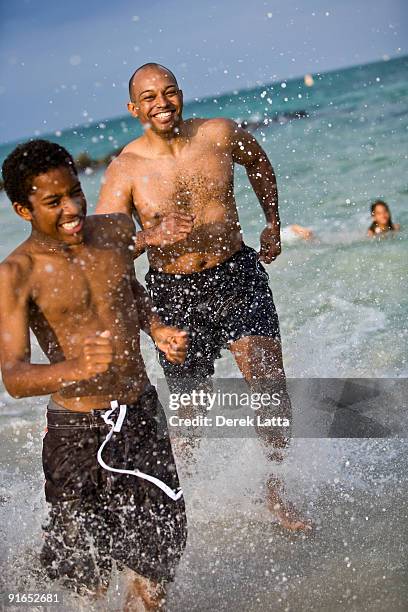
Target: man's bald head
156, 100
145, 67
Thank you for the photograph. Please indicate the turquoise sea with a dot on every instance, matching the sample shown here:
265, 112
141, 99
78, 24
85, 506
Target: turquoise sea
341, 299
343, 307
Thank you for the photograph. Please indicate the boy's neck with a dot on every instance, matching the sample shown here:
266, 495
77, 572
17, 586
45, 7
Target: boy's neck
51, 244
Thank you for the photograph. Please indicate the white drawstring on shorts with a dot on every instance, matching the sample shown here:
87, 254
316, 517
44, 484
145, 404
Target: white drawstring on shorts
115, 427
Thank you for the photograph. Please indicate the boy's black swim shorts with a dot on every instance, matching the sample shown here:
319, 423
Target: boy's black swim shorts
98, 516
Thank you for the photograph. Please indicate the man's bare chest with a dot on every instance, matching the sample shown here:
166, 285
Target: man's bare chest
182, 185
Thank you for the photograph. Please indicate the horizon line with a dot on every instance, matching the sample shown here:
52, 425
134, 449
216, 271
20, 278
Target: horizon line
209, 96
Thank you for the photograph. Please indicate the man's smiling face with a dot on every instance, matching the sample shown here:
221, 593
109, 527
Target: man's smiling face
57, 205
156, 99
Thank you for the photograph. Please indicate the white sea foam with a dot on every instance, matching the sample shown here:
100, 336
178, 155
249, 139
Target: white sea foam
343, 310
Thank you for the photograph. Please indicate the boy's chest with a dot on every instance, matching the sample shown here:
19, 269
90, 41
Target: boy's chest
82, 285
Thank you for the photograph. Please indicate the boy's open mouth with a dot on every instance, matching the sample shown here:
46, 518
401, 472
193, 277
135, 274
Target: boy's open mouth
73, 226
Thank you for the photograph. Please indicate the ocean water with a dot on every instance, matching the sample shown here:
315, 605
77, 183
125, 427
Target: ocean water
342, 303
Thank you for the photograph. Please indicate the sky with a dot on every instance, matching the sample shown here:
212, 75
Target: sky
64, 63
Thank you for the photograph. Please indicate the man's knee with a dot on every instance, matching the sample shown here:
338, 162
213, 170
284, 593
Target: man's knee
259, 356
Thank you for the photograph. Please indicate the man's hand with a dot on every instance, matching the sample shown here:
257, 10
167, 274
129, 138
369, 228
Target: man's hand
95, 358
172, 341
270, 245
172, 228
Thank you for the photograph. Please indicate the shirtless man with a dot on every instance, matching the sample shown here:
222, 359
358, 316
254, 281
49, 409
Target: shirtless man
177, 179
72, 283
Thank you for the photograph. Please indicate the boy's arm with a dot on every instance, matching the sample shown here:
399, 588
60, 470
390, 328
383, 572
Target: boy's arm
148, 318
171, 340
22, 378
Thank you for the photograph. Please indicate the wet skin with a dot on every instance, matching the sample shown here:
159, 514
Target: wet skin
74, 286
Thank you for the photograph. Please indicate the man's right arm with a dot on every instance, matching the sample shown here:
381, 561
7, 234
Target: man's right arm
116, 197
116, 191
22, 378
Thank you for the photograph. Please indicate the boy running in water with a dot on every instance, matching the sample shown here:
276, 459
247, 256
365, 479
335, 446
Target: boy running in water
72, 282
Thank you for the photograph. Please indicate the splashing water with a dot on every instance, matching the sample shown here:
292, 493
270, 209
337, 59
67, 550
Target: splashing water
342, 309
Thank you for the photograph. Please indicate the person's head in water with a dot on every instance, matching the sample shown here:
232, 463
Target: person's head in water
41, 181
155, 99
381, 215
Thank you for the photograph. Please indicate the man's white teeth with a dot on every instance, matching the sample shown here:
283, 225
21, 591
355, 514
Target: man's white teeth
164, 115
71, 224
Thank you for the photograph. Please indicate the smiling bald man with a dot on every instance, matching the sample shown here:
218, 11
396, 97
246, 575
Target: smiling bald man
177, 179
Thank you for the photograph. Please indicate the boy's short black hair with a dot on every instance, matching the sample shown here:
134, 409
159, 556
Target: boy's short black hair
27, 161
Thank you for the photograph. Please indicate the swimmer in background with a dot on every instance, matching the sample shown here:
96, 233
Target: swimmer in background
382, 222
293, 232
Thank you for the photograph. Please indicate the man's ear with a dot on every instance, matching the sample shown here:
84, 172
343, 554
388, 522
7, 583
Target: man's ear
23, 211
133, 110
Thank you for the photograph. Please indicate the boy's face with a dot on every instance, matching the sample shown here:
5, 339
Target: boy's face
58, 206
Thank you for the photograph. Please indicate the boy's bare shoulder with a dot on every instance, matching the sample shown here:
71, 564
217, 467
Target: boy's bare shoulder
17, 268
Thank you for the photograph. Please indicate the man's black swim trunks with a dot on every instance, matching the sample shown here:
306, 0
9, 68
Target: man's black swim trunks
96, 515
217, 307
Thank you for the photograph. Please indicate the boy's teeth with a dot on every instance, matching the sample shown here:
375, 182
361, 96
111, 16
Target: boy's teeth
71, 224
166, 114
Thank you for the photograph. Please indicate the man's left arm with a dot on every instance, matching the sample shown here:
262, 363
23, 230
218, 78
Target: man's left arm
247, 152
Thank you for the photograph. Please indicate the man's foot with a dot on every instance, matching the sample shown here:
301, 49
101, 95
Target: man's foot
285, 513
144, 595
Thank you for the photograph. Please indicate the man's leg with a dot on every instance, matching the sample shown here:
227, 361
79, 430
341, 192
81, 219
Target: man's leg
186, 440
259, 359
193, 376
178, 302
